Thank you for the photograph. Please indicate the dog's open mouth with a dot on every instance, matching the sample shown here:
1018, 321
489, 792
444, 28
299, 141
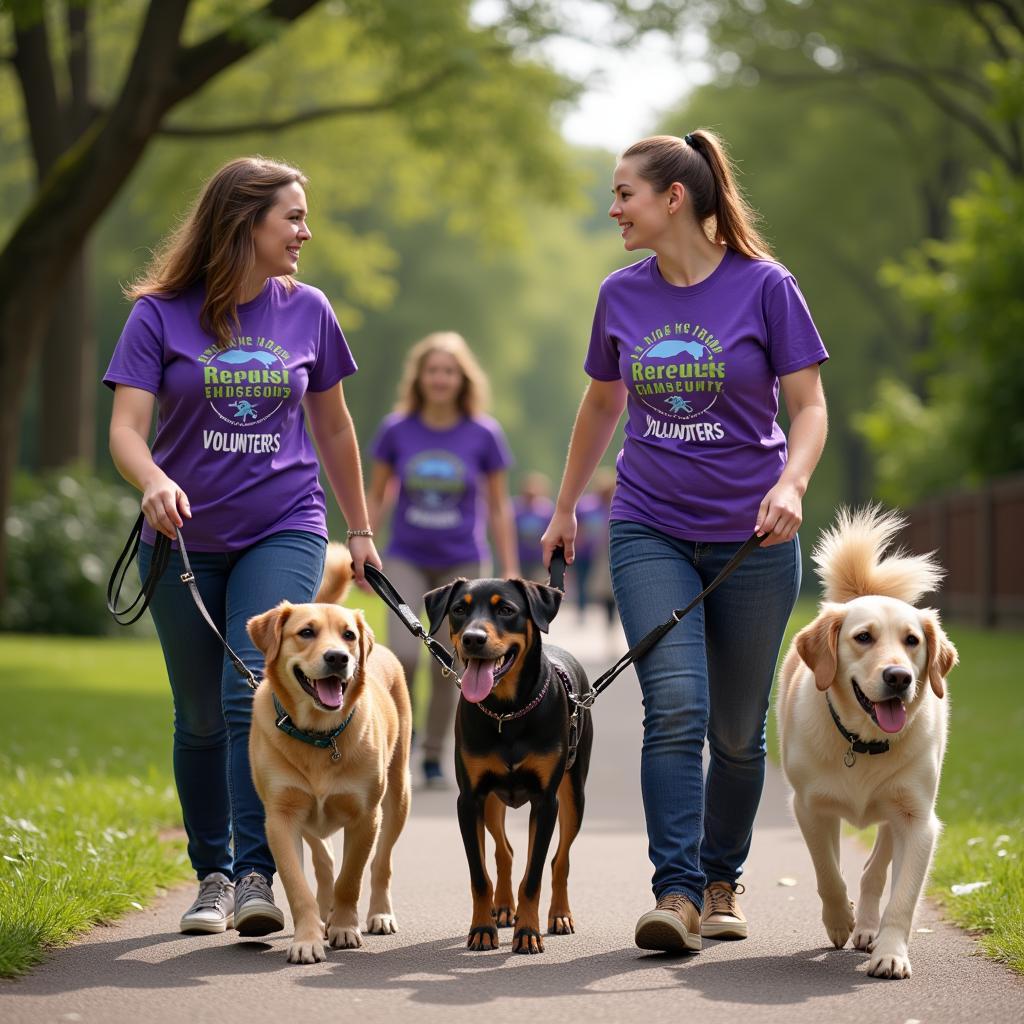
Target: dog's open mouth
327, 692
889, 715
482, 675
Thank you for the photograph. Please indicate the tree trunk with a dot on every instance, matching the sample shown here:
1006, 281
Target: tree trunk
47, 241
67, 383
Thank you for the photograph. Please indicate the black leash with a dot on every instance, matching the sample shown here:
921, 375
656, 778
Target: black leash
386, 591
161, 555
644, 645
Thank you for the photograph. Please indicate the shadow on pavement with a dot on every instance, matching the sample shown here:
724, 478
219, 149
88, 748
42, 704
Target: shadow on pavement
444, 972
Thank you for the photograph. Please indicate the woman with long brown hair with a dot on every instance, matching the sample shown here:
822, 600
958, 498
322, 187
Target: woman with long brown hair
442, 462
696, 342
236, 356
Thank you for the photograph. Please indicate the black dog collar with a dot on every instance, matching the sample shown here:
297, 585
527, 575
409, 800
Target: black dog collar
857, 745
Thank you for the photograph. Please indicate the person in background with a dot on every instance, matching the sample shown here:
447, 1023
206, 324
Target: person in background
697, 342
591, 525
236, 357
532, 508
442, 463
599, 581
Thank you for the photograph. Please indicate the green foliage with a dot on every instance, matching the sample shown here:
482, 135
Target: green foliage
970, 285
914, 444
64, 533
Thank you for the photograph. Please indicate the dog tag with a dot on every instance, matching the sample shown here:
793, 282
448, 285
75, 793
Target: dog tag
335, 753
849, 758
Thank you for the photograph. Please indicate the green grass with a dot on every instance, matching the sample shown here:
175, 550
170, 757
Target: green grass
981, 797
86, 788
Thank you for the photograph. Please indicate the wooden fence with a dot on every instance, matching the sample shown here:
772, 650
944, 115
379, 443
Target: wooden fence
979, 538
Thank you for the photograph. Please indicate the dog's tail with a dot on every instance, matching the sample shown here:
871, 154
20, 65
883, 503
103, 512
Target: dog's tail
850, 562
337, 575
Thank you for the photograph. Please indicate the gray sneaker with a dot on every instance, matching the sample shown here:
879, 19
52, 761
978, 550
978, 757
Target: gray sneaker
255, 913
212, 911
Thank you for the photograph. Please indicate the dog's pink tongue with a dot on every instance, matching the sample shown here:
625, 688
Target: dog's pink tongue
328, 691
478, 680
891, 715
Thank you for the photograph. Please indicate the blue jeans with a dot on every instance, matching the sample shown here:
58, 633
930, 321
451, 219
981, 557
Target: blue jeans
710, 677
212, 702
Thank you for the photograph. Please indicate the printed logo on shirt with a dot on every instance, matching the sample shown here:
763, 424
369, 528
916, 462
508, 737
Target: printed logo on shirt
435, 481
246, 383
678, 371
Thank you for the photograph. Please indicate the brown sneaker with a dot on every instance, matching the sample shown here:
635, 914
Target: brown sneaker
673, 926
722, 917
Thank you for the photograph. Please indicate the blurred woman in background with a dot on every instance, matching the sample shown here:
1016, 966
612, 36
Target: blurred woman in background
442, 463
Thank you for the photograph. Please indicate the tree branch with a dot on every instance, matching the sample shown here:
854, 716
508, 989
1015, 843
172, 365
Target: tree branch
977, 14
946, 103
34, 68
79, 68
306, 116
1012, 15
195, 65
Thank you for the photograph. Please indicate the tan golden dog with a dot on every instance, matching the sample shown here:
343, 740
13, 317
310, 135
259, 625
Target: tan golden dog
863, 729
325, 672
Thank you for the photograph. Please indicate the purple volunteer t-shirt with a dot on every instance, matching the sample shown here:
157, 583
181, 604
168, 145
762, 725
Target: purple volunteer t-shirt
701, 366
230, 428
440, 516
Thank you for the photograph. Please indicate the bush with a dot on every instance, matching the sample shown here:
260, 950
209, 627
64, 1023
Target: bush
64, 532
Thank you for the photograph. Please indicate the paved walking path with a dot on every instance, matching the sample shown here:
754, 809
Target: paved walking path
141, 969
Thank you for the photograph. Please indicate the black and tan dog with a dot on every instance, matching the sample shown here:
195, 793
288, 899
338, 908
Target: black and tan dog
516, 741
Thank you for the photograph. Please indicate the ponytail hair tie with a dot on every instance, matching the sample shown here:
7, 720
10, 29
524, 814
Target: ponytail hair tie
689, 140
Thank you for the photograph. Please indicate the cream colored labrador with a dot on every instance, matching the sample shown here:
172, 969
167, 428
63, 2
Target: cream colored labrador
863, 729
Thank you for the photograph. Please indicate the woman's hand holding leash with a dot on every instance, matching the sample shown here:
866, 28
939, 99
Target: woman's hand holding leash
561, 533
780, 514
362, 550
165, 505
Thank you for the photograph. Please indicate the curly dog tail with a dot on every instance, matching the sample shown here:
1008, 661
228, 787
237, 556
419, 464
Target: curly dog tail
850, 562
337, 575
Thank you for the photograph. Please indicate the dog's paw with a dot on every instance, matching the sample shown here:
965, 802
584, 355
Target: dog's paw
561, 923
482, 938
889, 963
864, 936
504, 917
307, 952
838, 920
527, 940
382, 924
344, 938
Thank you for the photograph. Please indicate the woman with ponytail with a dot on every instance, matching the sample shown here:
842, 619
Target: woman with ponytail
696, 342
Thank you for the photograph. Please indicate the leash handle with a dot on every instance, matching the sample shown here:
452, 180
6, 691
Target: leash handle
556, 570
161, 554
386, 591
644, 645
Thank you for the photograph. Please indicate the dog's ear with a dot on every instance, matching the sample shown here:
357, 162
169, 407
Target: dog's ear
366, 639
818, 644
265, 630
439, 601
542, 600
942, 655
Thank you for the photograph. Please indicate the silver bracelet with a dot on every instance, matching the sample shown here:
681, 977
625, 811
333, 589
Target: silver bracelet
359, 533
